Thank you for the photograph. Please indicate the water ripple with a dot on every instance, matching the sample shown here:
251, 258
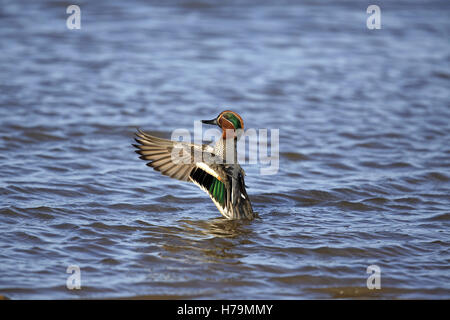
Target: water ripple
364, 159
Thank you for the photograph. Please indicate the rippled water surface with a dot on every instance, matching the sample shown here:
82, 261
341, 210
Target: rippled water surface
364, 149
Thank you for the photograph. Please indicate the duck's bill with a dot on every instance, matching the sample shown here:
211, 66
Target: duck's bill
213, 121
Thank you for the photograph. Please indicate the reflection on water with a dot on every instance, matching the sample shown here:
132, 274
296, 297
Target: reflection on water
216, 227
212, 240
364, 156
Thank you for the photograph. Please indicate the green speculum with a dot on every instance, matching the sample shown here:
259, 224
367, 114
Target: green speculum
217, 190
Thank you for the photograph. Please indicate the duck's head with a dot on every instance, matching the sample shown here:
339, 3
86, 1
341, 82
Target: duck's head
230, 122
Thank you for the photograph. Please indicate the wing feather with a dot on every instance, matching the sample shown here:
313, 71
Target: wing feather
223, 183
171, 158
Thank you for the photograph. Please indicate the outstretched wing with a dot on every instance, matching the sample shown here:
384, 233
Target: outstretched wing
171, 158
183, 161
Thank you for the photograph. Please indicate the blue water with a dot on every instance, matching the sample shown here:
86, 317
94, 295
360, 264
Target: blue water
363, 177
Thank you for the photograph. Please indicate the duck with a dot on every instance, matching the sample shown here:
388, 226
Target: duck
214, 169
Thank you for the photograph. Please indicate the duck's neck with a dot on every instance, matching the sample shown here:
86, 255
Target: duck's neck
226, 148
